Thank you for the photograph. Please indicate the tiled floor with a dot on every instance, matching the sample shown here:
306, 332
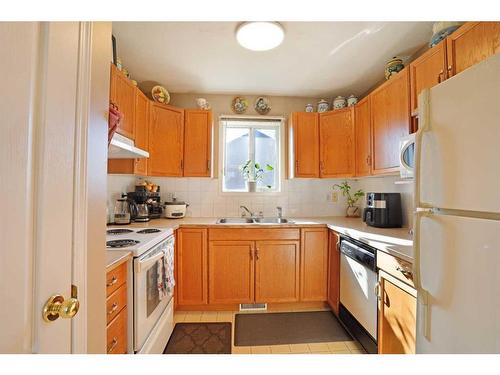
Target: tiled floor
339, 347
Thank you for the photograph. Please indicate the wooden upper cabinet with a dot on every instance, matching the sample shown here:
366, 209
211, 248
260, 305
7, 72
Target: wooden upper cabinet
305, 130
427, 71
231, 272
122, 93
135, 166
314, 264
272, 285
141, 131
333, 271
362, 131
197, 143
336, 143
390, 114
166, 140
191, 266
470, 44
396, 317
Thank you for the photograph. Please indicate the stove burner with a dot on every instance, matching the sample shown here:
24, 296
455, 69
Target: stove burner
146, 231
118, 231
121, 243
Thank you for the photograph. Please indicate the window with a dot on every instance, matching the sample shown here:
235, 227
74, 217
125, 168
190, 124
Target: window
257, 144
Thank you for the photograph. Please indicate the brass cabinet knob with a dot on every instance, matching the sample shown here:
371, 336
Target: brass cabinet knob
56, 306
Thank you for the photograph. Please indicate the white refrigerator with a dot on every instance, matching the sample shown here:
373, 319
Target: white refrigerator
457, 216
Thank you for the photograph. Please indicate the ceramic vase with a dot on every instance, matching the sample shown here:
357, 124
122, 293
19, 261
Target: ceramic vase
252, 186
323, 106
339, 102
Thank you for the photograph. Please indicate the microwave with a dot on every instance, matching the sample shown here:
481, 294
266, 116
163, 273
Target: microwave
407, 156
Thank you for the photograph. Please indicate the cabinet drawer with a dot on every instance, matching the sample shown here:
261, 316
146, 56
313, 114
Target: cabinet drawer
116, 278
116, 302
253, 234
117, 334
400, 269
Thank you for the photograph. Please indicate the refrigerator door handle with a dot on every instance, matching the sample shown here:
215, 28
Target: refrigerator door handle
422, 294
424, 119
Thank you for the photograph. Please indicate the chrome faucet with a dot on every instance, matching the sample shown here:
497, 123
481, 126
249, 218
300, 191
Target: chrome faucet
280, 211
247, 210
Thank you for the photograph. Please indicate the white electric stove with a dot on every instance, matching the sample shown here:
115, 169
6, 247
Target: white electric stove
153, 274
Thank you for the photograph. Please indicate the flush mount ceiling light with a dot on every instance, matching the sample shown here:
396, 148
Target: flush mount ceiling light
260, 36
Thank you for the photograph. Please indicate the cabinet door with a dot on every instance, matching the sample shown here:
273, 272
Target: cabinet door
314, 264
396, 317
390, 112
231, 272
362, 129
197, 143
166, 140
336, 134
141, 131
191, 266
470, 44
272, 284
305, 130
333, 271
123, 95
427, 71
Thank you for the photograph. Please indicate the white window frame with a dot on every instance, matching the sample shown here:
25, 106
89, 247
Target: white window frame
281, 153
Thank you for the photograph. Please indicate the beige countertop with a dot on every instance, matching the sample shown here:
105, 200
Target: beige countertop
116, 257
394, 241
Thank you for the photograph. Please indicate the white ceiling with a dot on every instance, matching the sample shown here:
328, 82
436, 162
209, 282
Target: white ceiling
316, 58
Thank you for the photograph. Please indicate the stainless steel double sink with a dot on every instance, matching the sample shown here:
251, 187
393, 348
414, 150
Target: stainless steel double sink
256, 220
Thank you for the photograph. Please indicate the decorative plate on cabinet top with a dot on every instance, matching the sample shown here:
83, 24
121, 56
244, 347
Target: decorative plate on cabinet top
239, 105
262, 106
160, 94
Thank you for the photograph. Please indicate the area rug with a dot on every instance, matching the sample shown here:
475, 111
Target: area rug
200, 338
288, 328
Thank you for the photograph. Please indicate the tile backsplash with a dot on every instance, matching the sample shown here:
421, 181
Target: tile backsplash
299, 197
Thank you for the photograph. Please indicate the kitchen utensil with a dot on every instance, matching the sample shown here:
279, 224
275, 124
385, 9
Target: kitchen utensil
175, 209
122, 211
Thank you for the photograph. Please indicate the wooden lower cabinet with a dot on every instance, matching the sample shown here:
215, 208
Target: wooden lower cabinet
397, 308
231, 272
333, 296
314, 264
116, 310
191, 266
277, 271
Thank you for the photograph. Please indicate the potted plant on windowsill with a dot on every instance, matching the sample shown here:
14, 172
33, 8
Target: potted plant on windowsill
253, 172
352, 210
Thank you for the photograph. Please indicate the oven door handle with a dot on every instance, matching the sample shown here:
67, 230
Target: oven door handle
146, 263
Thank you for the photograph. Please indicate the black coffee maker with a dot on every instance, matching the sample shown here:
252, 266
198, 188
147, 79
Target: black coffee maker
383, 210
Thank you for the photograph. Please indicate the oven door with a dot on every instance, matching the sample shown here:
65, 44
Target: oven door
407, 156
149, 301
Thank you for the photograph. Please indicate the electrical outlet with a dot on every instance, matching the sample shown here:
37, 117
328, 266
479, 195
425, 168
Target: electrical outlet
335, 197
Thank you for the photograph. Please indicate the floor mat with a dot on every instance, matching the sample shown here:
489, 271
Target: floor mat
200, 338
288, 328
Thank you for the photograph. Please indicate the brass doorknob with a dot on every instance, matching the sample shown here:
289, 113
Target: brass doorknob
56, 306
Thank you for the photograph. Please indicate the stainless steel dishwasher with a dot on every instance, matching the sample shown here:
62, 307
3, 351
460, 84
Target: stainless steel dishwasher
358, 301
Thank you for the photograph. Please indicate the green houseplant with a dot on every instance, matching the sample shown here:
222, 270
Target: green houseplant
352, 210
253, 172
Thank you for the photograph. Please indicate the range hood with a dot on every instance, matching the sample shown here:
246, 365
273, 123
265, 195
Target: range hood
123, 148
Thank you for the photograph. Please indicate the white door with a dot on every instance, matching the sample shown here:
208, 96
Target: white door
459, 260
460, 154
45, 99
